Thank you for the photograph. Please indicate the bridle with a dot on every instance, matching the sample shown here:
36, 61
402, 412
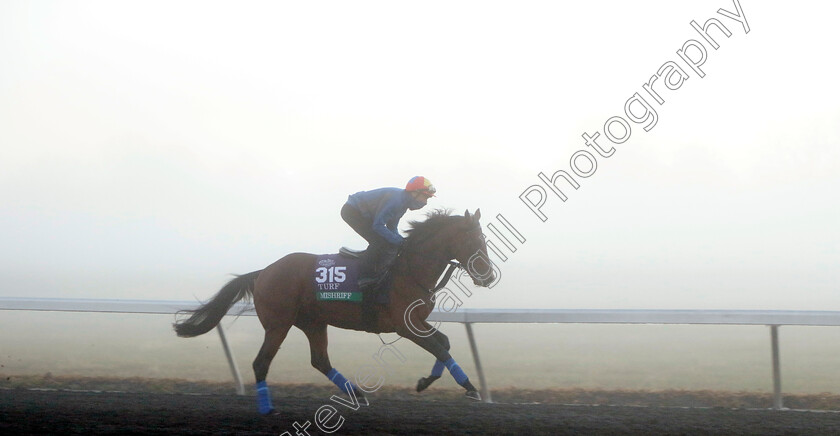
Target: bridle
450, 268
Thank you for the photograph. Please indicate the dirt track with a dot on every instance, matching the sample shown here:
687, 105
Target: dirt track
62, 412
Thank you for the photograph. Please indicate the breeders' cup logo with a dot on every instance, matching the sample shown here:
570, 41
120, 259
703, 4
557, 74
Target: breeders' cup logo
326, 262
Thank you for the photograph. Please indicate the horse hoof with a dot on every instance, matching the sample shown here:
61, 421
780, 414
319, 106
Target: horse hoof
267, 412
423, 383
361, 398
473, 395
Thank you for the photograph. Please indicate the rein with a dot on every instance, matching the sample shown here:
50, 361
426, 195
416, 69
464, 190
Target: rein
446, 276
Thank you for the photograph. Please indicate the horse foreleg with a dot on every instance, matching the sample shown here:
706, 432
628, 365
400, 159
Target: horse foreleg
438, 367
274, 337
434, 346
317, 335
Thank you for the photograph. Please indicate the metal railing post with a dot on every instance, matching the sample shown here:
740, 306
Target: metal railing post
777, 373
240, 388
485, 390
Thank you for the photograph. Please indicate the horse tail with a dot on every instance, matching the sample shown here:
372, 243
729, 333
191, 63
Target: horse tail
208, 315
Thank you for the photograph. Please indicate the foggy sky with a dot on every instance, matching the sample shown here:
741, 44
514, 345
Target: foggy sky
151, 148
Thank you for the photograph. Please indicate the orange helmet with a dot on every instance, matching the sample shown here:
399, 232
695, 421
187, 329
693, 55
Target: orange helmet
422, 185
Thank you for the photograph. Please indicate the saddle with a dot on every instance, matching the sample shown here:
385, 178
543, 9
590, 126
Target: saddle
351, 253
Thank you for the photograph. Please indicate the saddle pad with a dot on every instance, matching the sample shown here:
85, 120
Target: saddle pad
335, 278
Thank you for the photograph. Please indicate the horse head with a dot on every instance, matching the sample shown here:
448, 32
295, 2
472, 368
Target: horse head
445, 237
471, 250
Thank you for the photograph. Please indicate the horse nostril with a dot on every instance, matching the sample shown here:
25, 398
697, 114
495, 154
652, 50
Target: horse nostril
485, 281
490, 280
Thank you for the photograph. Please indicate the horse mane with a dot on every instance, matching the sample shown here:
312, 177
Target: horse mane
422, 230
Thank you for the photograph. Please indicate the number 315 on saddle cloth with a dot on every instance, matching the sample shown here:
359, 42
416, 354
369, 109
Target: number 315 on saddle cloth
335, 278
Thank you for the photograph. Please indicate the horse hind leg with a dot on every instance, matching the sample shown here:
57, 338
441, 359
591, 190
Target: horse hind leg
274, 337
317, 336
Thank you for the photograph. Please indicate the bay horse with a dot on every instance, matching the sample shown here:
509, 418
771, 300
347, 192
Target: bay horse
284, 296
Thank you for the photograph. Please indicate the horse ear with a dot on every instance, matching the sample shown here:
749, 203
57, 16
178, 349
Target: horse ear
467, 214
477, 215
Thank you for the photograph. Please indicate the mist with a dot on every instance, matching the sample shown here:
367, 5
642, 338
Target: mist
150, 150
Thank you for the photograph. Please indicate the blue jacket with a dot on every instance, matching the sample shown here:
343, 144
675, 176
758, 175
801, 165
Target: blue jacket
384, 207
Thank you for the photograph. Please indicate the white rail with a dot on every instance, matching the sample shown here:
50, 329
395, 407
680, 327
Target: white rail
771, 318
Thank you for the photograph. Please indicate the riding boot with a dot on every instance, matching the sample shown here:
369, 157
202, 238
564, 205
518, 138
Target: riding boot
374, 285
365, 265
368, 276
380, 269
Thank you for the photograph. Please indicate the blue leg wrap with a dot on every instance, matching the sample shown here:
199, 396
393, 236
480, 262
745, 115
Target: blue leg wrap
456, 371
264, 398
339, 380
437, 370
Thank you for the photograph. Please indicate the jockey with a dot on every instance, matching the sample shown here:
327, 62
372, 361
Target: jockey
374, 215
